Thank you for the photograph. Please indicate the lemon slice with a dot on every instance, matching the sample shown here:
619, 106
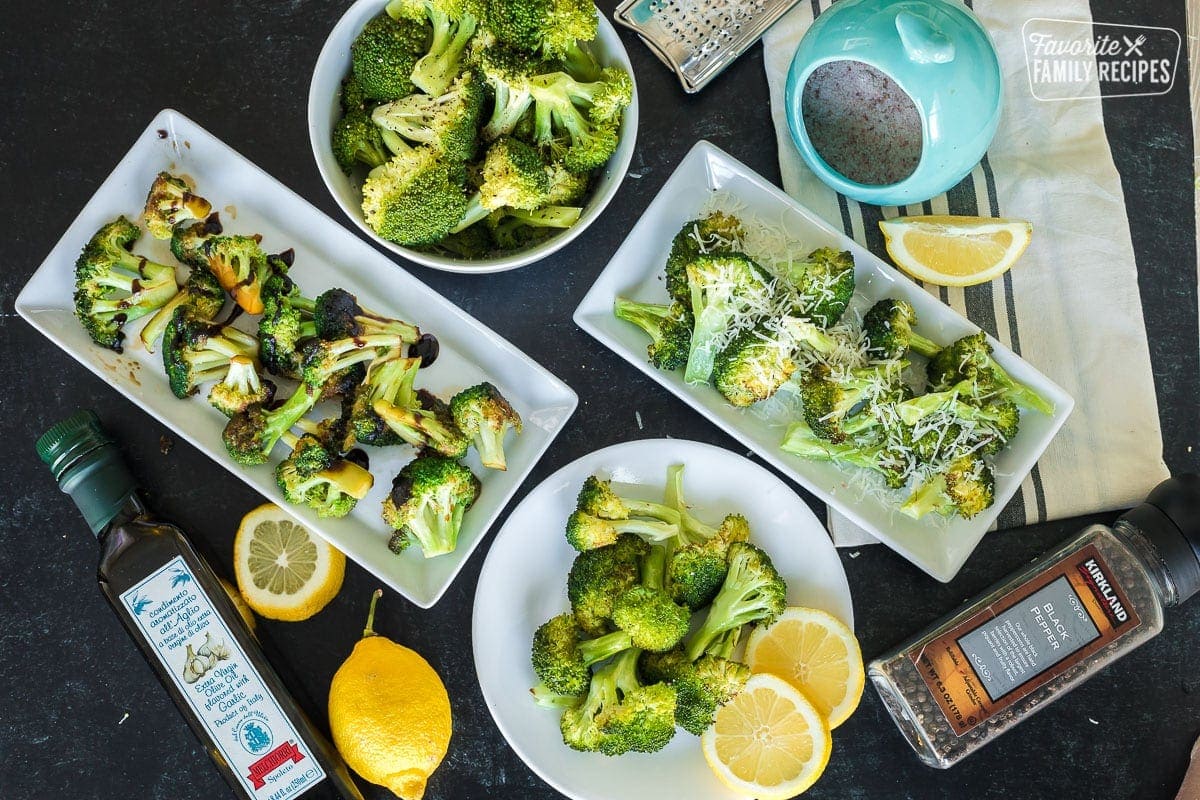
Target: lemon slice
955, 251
283, 571
769, 742
816, 653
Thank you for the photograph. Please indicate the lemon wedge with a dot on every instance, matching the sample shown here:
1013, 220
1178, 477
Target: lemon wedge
283, 570
955, 251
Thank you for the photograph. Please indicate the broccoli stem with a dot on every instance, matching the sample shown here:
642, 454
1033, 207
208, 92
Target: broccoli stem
919, 344
930, 496
647, 316
545, 697
596, 650
475, 213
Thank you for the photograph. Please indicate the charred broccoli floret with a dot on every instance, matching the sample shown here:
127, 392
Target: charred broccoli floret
113, 286
286, 323
801, 441
241, 388
241, 267
313, 476
201, 295
337, 314
647, 613
429, 424
195, 351
250, 435
484, 415
620, 714
753, 366
828, 401
668, 326
391, 379
171, 202
188, 241
701, 686
429, 497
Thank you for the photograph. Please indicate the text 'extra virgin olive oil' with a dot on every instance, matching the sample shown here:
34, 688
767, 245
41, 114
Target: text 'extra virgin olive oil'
177, 611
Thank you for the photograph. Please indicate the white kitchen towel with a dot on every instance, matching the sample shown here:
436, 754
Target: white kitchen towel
1070, 306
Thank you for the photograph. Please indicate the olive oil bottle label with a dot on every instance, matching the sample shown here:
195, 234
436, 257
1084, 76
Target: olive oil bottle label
1034, 633
200, 653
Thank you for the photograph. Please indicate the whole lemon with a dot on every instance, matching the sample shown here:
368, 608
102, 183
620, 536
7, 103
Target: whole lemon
389, 713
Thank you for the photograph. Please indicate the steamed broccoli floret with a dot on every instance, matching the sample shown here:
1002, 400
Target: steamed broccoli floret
356, 141
970, 359
338, 315
384, 54
429, 497
718, 233
453, 23
201, 295
722, 287
551, 28
352, 96
604, 98
753, 366
415, 198
188, 241
313, 476
753, 592
967, 487
824, 283
250, 435
470, 243
597, 577
889, 330
514, 175
508, 73
448, 122
241, 267
703, 686
828, 401
619, 713
484, 415
512, 228
171, 202
113, 286
389, 378
195, 351
668, 326
429, 424
583, 144
698, 565
801, 441
561, 661
240, 388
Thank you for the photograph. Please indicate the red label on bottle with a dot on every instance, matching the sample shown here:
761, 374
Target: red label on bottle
284, 754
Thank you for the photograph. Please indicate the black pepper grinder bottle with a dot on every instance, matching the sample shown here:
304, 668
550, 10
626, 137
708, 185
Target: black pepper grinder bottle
176, 610
1045, 629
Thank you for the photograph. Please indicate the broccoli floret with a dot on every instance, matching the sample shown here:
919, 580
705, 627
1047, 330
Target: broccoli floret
187, 241
561, 661
286, 322
484, 415
389, 378
113, 286
241, 267
722, 287
454, 23
888, 326
970, 359
326, 359
967, 487
701, 687
508, 73
352, 96
597, 498
514, 175
171, 202
314, 477
598, 577
604, 98
753, 366
824, 285
240, 388
647, 613
828, 401
586, 532
548, 27
356, 141
697, 567
429, 424
801, 441
449, 122
619, 713
249, 436
560, 126
384, 55
513, 228
334, 431
201, 295
668, 326
338, 315
566, 188
473, 242
195, 351
753, 592
1004, 416
716, 234
415, 198
429, 497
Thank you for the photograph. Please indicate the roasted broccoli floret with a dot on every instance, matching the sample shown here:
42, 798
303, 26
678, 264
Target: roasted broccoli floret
970, 359
429, 424
171, 202
801, 441
429, 497
241, 267
201, 295
415, 198
240, 388
356, 141
888, 326
249, 436
753, 366
722, 287
484, 415
286, 323
454, 24
113, 286
338, 315
824, 285
327, 358
716, 234
668, 326
967, 487
188, 241
447, 122
597, 498
828, 401
582, 143
389, 378
619, 713
753, 592
585, 531
598, 577
384, 54
647, 613
195, 350
551, 28
561, 660
313, 476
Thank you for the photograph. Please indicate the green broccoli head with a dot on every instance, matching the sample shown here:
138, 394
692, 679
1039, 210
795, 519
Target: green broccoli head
352, 96
201, 295
668, 326
313, 476
556, 658
429, 425
970, 359
415, 198
170, 202
651, 618
643, 719
753, 592
514, 175
717, 233
597, 577
829, 400
722, 286
550, 28
448, 123
484, 415
966, 487
753, 366
241, 388
888, 326
562, 127
384, 54
429, 497
356, 141
507, 73
388, 378
286, 323
824, 285
241, 267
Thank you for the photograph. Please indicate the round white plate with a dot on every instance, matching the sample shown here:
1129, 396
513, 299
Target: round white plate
523, 583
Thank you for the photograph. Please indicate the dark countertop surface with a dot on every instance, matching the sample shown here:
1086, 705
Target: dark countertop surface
81, 714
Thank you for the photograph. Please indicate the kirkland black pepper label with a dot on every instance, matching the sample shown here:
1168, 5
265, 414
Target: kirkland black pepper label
1025, 639
220, 684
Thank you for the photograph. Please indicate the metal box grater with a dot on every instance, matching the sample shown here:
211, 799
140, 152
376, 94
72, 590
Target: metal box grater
699, 38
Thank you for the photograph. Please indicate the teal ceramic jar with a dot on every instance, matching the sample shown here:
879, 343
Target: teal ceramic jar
931, 76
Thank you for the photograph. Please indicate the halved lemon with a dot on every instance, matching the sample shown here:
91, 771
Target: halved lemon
769, 742
955, 251
283, 570
816, 653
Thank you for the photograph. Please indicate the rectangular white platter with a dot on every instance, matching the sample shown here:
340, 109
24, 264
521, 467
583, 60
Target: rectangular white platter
327, 255
938, 546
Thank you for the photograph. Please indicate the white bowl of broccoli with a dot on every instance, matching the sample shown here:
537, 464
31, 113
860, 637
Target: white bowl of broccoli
484, 135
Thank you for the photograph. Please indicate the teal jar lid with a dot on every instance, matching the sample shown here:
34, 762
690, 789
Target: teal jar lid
939, 55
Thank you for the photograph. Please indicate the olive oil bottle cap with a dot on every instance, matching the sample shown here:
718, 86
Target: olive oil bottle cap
1170, 520
87, 465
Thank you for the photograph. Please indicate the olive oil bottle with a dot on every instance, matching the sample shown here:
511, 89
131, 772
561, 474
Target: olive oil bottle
177, 611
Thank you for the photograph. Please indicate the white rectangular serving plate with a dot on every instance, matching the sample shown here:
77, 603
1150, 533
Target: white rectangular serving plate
939, 547
327, 255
